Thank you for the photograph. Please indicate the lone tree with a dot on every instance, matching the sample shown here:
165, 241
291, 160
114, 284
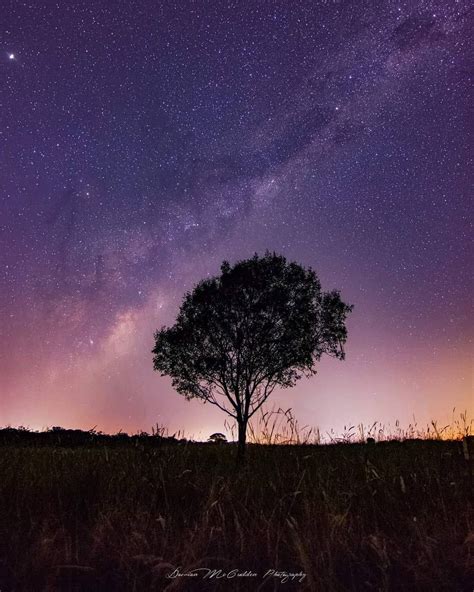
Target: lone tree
263, 323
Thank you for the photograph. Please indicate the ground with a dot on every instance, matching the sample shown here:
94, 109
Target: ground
127, 514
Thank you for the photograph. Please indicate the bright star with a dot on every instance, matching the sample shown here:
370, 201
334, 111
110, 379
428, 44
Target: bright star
11, 56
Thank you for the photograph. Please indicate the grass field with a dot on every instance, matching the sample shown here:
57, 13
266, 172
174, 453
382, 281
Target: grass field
124, 516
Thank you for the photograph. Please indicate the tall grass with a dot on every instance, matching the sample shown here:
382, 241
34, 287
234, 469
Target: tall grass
396, 515
280, 426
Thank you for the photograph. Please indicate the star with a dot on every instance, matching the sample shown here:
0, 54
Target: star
11, 56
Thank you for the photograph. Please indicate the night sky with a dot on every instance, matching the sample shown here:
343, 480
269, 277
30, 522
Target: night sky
141, 143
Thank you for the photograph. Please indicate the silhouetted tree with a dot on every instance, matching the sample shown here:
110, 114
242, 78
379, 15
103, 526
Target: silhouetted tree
261, 324
217, 438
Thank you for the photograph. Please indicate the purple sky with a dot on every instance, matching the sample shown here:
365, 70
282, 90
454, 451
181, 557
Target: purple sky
142, 143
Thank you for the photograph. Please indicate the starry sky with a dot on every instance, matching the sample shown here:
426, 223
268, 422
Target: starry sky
141, 143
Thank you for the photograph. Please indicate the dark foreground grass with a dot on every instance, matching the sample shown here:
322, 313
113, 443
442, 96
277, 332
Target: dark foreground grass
386, 516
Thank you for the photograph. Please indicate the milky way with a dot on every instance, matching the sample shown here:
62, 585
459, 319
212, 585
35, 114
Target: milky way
142, 143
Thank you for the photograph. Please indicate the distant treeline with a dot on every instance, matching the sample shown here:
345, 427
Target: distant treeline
58, 436
62, 437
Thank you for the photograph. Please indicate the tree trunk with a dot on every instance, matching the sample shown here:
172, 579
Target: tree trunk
242, 440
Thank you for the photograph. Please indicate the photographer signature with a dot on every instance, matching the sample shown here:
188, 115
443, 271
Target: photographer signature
207, 573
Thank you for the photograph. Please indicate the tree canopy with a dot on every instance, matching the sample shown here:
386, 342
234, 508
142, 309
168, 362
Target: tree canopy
262, 323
